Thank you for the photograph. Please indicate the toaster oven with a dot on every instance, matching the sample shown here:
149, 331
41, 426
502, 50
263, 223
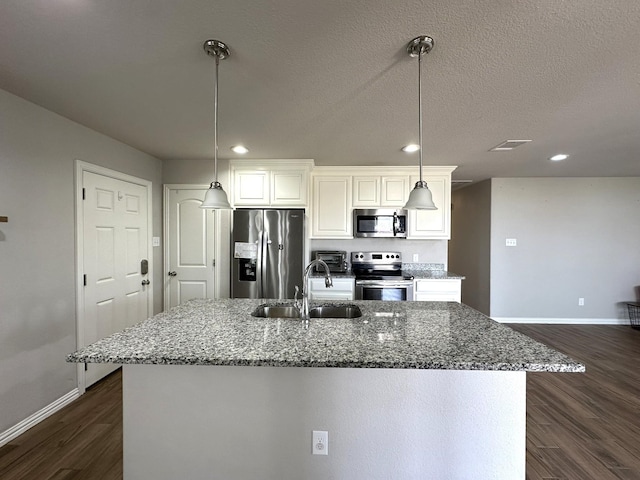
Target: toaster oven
336, 260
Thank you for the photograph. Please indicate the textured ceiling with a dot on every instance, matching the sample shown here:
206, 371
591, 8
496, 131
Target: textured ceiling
331, 80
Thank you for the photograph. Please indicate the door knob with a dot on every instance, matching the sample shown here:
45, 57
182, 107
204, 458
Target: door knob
146, 282
172, 274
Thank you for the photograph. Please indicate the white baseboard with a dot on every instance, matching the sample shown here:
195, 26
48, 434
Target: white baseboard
563, 321
40, 415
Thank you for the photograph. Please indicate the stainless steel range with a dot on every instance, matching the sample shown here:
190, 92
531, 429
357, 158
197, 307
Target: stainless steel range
379, 276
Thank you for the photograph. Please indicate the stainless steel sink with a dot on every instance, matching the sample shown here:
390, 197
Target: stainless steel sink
335, 311
276, 311
323, 311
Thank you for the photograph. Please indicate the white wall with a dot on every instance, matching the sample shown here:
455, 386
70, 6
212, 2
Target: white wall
470, 243
38, 150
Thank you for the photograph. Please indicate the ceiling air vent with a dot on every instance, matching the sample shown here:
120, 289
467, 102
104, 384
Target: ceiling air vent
508, 145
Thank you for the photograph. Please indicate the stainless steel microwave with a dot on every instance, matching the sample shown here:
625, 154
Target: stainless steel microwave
380, 222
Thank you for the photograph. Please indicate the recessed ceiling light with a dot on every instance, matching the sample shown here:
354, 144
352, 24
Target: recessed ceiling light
412, 147
508, 145
559, 157
240, 149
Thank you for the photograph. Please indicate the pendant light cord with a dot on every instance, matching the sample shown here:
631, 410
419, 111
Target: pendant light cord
215, 123
420, 107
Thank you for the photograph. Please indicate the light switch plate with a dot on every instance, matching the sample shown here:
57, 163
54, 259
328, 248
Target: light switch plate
155, 241
511, 242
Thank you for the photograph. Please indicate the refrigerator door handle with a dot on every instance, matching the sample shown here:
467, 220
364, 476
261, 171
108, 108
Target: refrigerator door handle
264, 243
259, 258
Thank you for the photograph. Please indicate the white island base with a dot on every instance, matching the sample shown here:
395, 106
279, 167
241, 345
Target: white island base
243, 423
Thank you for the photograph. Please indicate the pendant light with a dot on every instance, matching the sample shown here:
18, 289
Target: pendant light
420, 197
215, 197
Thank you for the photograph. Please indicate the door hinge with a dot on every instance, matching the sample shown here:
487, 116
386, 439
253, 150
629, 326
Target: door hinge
84, 279
213, 263
83, 191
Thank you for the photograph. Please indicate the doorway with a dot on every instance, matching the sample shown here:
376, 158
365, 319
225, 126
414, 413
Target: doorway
114, 258
189, 245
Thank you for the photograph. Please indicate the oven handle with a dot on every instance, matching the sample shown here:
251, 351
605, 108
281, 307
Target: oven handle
374, 283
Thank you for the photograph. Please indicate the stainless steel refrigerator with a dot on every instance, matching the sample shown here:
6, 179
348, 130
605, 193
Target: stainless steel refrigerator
268, 253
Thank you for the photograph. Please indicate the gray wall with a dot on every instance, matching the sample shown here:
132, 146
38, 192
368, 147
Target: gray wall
38, 150
469, 247
577, 237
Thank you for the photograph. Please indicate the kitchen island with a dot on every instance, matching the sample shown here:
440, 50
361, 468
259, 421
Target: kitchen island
409, 390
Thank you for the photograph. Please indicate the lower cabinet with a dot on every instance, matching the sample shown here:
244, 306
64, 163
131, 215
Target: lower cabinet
343, 289
437, 290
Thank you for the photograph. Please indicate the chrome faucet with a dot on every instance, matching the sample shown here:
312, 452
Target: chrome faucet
328, 282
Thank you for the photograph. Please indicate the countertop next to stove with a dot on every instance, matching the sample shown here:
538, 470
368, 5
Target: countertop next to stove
396, 335
420, 274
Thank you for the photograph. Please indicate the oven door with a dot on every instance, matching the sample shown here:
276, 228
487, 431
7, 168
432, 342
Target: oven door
384, 290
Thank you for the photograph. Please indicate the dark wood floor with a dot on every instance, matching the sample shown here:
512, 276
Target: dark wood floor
585, 426
579, 426
83, 441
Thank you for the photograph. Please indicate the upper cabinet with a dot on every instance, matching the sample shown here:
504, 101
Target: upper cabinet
331, 207
338, 190
373, 191
432, 223
270, 183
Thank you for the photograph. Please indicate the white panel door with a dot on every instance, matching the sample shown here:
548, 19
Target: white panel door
189, 233
115, 242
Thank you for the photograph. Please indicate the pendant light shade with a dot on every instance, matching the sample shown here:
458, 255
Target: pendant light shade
420, 197
215, 198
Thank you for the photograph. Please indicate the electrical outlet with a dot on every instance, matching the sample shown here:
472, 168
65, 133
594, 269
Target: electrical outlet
511, 242
416, 257
581, 302
320, 443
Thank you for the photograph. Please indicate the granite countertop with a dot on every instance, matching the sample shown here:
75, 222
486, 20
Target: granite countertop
433, 275
416, 335
347, 274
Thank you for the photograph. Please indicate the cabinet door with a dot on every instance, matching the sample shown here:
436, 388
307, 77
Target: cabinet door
395, 191
366, 191
289, 188
251, 188
446, 290
331, 208
343, 289
432, 223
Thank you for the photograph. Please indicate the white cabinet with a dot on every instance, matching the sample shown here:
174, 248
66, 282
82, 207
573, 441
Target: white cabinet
437, 290
433, 223
270, 183
380, 191
338, 190
331, 207
250, 188
366, 191
343, 289
395, 190
289, 187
